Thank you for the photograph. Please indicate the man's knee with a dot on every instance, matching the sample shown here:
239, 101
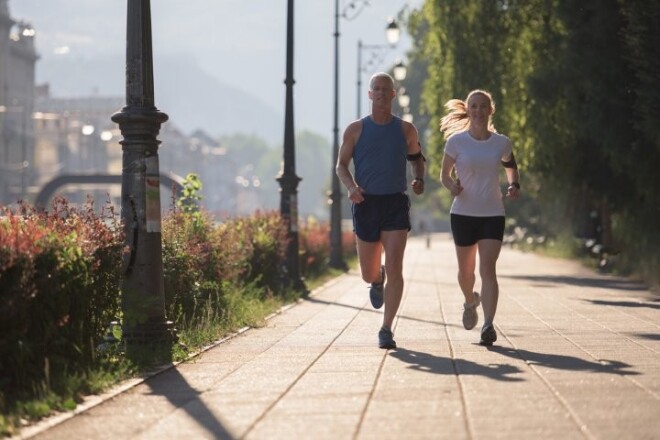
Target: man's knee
370, 268
371, 276
366, 277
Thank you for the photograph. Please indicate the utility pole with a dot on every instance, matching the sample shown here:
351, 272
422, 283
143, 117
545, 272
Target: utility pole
147, 333
336, 251
288, 179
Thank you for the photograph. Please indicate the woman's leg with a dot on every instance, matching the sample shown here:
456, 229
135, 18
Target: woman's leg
467, 258
489, 252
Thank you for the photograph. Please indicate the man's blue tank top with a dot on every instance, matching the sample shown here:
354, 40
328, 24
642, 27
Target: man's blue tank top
380, 157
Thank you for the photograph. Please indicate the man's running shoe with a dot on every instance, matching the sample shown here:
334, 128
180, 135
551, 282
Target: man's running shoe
376, 290
488, 335
386, 339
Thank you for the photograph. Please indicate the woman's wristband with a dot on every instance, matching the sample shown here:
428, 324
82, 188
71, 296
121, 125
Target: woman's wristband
516, 184
420, 179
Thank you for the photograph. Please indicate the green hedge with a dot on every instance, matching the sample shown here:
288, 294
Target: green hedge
202, 260
60, 282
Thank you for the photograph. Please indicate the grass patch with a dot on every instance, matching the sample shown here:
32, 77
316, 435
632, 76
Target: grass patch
244, 306
329, 274
65, 395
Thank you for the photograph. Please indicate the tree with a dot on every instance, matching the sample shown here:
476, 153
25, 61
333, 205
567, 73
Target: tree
574, 84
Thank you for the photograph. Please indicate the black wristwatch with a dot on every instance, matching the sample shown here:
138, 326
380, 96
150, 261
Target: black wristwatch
421, 179
516, 184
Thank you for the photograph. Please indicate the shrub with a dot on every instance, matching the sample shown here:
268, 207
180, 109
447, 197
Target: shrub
60, 280
314, 239
202, 260
59, 284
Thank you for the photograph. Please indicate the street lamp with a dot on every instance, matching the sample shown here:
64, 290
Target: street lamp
403, 98
147, 333
350, 11
392, 31
288, 179
336, 253
377, 52
399, 70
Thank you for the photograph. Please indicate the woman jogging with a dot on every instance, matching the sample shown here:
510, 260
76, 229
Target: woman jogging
476, 153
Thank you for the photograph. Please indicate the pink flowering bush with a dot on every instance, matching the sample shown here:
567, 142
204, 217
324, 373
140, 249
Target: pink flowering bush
61, 273
202, 259
59, 285
314, 238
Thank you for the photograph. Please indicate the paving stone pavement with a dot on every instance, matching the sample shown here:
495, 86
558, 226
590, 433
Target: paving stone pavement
578, 357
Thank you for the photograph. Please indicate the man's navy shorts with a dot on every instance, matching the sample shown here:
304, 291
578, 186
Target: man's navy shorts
468, 230
388, 212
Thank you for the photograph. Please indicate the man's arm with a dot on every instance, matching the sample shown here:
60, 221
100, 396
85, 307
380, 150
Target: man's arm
344, 158
415, 157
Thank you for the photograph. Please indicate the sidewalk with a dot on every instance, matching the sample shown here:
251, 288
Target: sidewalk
578, 356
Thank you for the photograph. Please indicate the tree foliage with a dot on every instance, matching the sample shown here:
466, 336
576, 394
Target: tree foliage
574, 86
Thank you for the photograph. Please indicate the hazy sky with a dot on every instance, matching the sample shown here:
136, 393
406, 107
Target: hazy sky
241, 42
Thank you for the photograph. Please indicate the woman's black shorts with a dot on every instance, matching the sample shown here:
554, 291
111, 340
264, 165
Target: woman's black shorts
388, 212
467, 230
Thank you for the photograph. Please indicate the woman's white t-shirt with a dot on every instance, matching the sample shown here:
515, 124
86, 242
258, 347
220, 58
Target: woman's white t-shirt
478, 165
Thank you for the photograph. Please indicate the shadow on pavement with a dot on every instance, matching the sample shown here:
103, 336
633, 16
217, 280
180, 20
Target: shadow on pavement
442, 365
600, 302
649, 336
563, 362
602, 283
173, 386
368, 309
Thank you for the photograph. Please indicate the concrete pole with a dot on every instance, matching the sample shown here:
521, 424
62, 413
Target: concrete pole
147, 333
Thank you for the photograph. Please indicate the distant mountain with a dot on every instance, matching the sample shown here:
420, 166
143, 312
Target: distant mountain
191, 97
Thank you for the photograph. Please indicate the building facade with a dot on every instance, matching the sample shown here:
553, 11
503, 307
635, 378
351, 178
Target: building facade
43, 137
18, 58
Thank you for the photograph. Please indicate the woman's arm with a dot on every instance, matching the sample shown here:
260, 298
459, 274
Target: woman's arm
454, 186
512, 176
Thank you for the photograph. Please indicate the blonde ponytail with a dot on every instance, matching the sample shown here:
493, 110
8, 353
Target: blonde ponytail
456, 119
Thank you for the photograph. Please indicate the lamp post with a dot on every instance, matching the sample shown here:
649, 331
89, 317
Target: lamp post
14, 137
392, 31
399, 70
355, 7
147, 333
336, 252
403, 98
377, 52
24, 159
288, 179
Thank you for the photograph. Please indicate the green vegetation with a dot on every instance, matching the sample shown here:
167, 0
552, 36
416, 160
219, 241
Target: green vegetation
60, 278
574, 85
